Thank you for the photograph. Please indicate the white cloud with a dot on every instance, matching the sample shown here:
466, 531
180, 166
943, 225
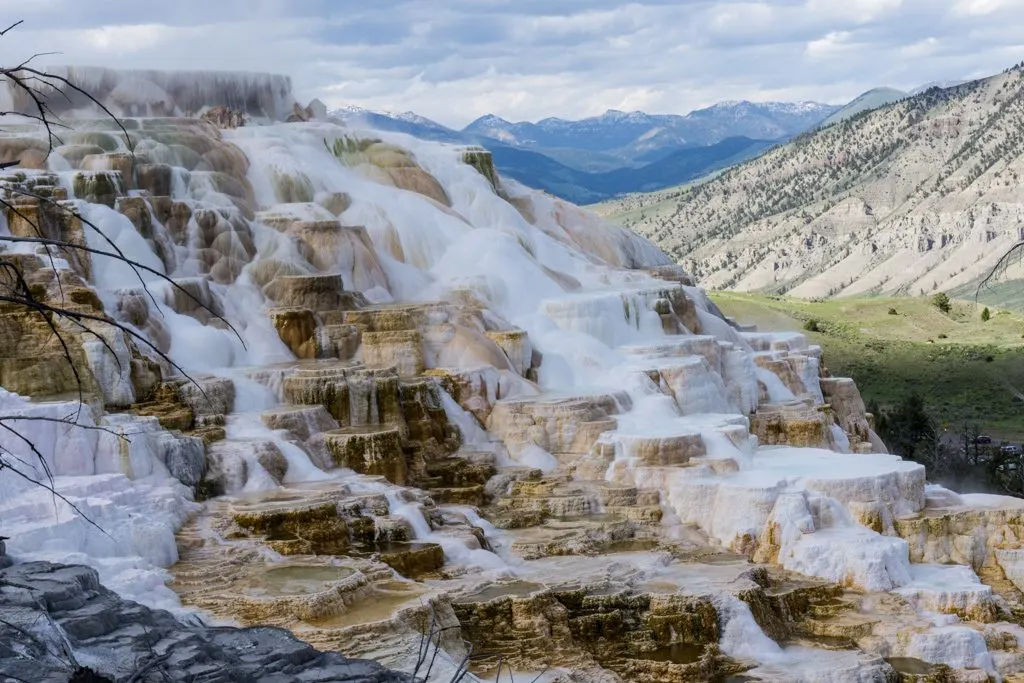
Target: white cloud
830, 44
454, 60
922, 48
857, 11
126, 39
741, 17
980, 8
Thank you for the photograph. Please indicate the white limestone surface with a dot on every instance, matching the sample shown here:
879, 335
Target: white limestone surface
949, 589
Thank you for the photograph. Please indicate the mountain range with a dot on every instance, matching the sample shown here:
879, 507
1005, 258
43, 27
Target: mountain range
637, 138
580, 187
916, 196
617, 152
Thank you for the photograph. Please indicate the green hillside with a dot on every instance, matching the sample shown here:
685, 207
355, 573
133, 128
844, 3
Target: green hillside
964, 368
1007, 294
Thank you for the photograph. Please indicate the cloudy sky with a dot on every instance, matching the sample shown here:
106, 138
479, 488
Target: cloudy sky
454, 60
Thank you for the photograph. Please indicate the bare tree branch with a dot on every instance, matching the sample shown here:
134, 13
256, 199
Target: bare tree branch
1013, 255
22, 76
49, 487
32, 90
15, 24
141, 266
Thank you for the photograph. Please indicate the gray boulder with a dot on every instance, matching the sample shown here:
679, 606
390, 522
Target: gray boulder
184, 456
59, 622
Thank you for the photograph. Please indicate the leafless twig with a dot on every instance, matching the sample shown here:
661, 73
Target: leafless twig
33, 87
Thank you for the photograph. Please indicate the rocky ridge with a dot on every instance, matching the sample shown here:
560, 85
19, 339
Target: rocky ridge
910, 198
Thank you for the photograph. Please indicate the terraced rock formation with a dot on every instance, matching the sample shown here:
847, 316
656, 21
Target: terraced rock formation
448, 407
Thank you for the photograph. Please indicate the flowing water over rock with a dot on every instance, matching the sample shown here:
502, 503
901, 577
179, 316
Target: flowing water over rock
422, 396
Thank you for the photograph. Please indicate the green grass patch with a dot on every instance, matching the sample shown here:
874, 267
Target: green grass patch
963, 367
1007, 294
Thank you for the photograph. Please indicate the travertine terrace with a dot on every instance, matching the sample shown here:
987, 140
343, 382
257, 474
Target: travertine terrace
447, 400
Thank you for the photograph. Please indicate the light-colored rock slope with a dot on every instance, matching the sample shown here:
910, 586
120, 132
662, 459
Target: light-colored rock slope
872, 99
459, 405
919, 196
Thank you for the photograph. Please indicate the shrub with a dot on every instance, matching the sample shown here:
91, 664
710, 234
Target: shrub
985, 315
812, 326
892, 311
941, 302
943, 336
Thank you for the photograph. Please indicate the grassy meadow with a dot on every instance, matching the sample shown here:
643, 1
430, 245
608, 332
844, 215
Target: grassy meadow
965, 369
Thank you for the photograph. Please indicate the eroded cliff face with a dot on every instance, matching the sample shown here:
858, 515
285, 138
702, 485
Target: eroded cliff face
421, 395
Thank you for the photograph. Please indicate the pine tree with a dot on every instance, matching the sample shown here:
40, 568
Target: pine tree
941, 302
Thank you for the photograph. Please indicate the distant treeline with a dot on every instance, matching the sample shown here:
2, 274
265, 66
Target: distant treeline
958, 460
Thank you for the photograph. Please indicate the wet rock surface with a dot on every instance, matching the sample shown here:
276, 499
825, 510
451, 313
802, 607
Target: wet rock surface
621, 486
48, 607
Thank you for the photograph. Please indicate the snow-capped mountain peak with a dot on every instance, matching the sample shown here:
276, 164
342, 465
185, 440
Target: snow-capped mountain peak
404, 122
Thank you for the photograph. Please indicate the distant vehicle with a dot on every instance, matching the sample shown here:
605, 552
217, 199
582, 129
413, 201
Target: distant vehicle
1010, 449
982, 440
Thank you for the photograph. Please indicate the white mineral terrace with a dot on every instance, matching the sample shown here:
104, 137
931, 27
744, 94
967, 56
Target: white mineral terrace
624, 380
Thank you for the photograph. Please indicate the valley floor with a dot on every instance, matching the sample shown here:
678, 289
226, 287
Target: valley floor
965, 369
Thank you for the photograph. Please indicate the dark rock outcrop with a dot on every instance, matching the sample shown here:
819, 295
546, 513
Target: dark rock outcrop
58, 622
